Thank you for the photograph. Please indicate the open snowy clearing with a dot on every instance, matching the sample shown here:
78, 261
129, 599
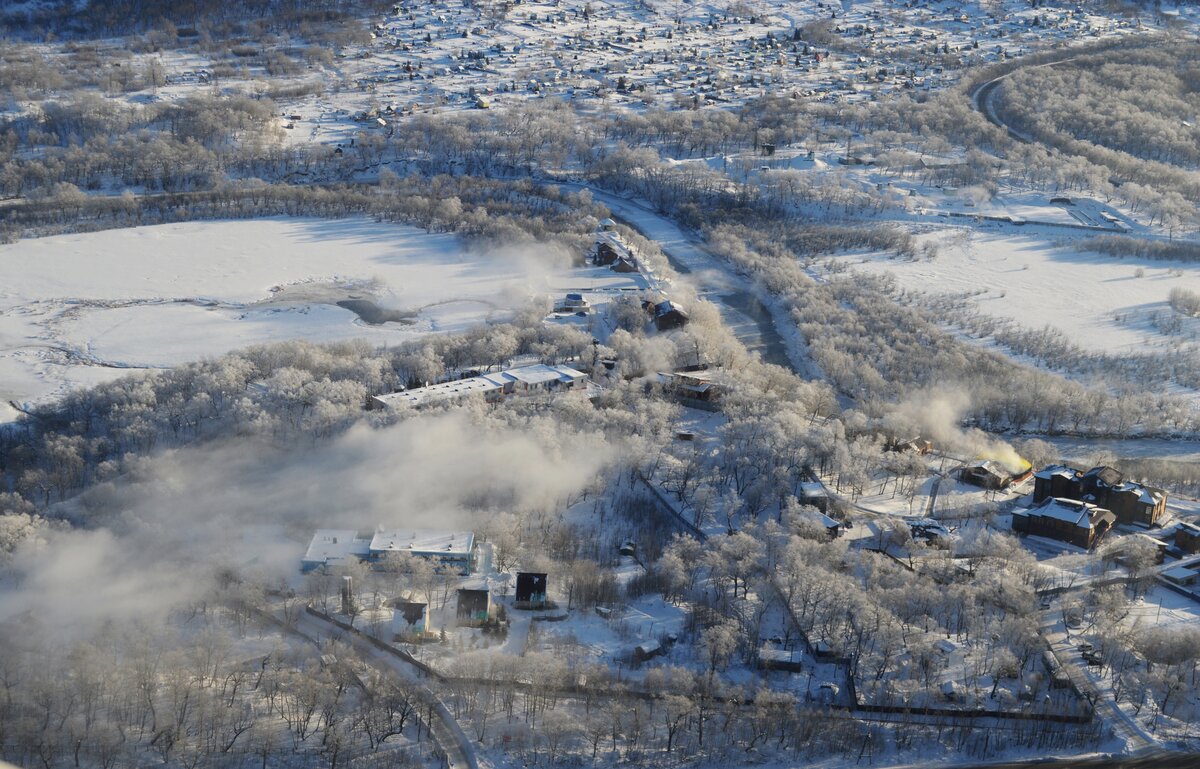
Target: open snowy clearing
1027, 279
79, 309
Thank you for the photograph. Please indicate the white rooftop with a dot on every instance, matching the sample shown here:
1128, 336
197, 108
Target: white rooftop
540, 373
772, 653
1052, 470
334, 545
536, 374
1078, 513
813, 489
425, 542
440, 391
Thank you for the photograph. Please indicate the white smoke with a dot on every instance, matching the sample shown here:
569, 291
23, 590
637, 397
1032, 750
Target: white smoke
158, 536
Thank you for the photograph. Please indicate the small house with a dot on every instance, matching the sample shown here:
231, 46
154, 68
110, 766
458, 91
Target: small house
693, 388
605, 254
572, 302
986, 474
531, 590
823, 651
474, 607
669, 315
1058, 677
774, 656
1067, 520
814, 493
410, 619
918, 446
1187, 574
827, 693
929, 530
624, 265
1187, 537
832, 527
648, 650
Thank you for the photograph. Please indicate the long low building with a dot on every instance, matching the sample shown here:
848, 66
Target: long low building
335, 547
524, 380
448, 548
338, 547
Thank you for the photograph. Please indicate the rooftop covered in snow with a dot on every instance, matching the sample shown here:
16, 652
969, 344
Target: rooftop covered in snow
429, 543
331, 546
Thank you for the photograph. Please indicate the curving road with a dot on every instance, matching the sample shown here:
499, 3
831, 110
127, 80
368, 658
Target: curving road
460, 754
981, 99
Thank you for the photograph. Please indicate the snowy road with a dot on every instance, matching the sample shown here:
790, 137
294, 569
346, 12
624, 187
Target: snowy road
459, 752
1136, 739
749, 320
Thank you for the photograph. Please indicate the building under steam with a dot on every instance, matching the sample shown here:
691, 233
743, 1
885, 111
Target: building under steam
331, 548
995, 474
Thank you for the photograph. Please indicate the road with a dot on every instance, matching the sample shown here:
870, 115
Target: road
1136, 739
981, 99
712, 277
460, 754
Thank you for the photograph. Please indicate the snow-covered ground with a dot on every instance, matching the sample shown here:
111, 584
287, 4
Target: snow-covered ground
1026, 278
79, 309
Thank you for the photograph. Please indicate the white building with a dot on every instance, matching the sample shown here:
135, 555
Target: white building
449, 548
525, 380
334, 547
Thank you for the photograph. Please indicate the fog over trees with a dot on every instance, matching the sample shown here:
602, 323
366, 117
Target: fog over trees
152, 610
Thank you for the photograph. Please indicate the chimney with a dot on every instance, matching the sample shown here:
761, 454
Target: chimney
347, 595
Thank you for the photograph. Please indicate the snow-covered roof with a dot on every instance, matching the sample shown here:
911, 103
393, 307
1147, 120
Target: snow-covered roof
773, 653
1104, 474
1182, 573
989, 466
538, 373
332, 545
1191, 528
822, 520
1051, 471
424, 542
439, 391
813, 489
945, 646
1081, 514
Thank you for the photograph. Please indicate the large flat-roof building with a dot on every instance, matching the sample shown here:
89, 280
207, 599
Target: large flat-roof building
523, 380
334, 547
446, 548
337, 547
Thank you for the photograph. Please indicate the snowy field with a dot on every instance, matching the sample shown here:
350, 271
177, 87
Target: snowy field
79, 309
1027, 279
